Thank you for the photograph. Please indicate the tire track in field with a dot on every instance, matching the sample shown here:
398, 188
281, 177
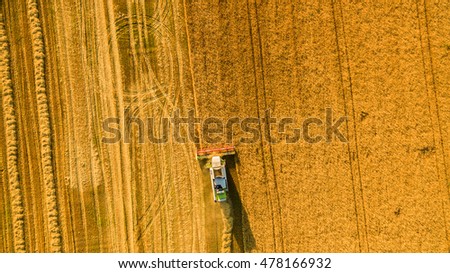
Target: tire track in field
137, 151
97, 176
355, 131
133, 20
44, 125
196, 108
191, 68
125, 153
275, 184
59, 122
134, 75
166, 105
179, 98
362, 235
162, 195
151, 24
111, 71
268, 193
110, 82
80, 201
10, 123
433, 108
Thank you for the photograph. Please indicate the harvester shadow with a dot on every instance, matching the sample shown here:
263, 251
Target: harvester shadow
243, 240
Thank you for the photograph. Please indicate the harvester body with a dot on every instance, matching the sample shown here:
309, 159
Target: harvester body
217, 170
219, 181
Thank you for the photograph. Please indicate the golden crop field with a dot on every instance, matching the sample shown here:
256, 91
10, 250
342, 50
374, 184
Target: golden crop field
70, 66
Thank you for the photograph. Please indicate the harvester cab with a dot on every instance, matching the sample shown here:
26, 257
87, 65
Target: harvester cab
216, 162
217, 170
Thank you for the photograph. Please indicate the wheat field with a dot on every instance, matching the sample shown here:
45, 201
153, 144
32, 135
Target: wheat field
67, 66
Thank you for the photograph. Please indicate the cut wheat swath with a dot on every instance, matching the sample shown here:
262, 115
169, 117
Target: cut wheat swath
44, 126
10, 121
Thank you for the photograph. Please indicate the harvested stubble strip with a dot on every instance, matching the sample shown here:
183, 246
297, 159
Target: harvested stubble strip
227, 217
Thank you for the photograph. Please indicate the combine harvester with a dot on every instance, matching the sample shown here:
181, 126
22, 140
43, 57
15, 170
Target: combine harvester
217, 170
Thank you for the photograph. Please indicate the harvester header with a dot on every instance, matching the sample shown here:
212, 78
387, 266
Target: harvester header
223, 151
